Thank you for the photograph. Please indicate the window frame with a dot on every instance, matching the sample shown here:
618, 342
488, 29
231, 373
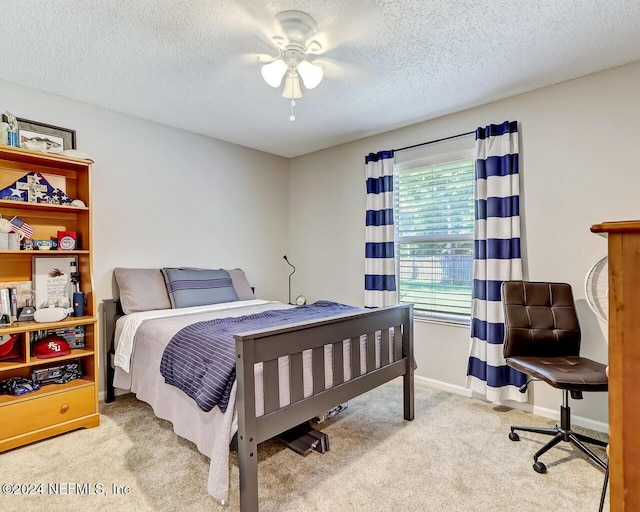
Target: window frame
426, 161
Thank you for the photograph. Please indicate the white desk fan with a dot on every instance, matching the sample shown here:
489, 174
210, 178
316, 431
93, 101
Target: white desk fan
597, 288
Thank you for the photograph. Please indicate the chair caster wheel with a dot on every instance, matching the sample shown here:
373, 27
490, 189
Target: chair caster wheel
513, 436
539, 467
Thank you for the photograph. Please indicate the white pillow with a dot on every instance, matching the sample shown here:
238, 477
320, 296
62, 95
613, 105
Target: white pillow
241, 285
141, 289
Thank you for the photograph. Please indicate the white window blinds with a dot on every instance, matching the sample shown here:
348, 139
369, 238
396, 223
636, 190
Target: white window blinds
434, 223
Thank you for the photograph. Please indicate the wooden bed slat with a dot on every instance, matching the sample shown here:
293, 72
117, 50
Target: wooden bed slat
318, 370
371, 351
384, 347
355, 357
271, 386
337, 358
397, 342
296, 382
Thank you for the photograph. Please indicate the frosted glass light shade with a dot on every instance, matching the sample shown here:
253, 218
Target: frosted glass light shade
273, 72
310, 73
292, 88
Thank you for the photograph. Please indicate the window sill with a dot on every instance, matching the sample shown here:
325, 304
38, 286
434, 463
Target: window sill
441, 321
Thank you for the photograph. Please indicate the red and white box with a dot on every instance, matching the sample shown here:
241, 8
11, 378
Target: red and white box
67, 240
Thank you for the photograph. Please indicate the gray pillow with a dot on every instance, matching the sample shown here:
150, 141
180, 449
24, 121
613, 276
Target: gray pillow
141, 289
241, 285
198, 287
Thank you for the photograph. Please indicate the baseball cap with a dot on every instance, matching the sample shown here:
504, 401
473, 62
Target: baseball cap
50, 346
9, 348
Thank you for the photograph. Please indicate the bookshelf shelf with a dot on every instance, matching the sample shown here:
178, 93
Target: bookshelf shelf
41, 207
28, 254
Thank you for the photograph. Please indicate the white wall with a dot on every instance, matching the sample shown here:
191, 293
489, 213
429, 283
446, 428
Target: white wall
167, 197
579, 167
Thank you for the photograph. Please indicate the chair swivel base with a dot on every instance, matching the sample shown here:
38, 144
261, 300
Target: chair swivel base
561, 433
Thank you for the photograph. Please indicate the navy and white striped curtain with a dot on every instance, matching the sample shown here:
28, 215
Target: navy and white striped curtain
380, 269
496, 259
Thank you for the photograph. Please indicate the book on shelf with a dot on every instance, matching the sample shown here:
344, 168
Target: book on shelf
13, 298
8, 305
5, 302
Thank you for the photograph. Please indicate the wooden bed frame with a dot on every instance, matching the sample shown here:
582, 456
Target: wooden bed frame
291, 340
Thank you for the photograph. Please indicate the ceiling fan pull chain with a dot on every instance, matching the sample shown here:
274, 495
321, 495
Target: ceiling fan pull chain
292, 117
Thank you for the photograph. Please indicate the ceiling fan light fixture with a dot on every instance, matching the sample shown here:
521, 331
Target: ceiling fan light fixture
311, 74
274, 72
292, 89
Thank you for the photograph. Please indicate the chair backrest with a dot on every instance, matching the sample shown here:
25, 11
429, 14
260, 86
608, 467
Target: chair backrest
539, 320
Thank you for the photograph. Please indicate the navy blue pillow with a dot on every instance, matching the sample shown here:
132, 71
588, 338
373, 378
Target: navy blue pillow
198, 287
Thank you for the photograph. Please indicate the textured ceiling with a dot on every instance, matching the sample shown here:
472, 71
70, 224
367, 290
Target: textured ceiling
195, 63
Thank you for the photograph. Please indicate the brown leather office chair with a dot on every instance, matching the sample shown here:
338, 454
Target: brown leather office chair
542, 339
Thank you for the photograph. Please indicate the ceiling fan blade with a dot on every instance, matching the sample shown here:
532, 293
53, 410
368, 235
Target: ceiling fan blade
253, 58
344, 29
342, 71
262, 22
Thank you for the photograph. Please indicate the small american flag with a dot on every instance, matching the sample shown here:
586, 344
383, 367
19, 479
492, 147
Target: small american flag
20, 225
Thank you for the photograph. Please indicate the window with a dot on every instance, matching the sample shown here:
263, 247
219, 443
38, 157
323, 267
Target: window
434, 231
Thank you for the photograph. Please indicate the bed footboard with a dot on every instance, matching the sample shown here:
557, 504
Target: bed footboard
266, 346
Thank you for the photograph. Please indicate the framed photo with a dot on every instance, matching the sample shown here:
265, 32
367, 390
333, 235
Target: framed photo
44, 137
52, 280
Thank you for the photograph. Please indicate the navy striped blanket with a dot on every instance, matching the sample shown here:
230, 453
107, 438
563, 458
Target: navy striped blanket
201, 358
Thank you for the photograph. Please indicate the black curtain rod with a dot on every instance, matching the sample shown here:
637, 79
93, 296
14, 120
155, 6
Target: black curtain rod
434, 141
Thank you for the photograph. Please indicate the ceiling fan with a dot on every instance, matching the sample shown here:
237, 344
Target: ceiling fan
296, 47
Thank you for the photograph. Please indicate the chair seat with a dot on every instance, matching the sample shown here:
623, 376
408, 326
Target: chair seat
574, 373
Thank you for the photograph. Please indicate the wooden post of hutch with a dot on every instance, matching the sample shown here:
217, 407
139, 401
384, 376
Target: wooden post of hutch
624, 362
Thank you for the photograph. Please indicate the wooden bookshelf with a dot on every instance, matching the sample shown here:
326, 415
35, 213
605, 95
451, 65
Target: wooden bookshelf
624, 362
54, 408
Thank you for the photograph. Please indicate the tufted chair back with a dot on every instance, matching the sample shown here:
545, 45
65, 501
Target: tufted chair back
540, 320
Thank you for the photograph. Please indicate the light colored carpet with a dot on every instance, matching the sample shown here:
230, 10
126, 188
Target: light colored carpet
455, 456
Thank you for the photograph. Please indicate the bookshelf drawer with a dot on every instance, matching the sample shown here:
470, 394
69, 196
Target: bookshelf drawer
42, 412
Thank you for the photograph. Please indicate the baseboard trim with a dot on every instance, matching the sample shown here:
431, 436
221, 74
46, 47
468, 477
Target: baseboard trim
582, 421
444, 386
545, 412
